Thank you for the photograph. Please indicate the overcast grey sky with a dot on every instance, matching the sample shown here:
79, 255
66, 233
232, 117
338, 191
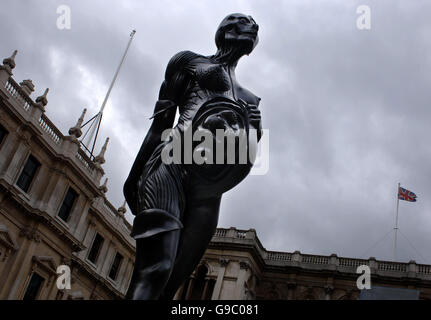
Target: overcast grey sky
348, 110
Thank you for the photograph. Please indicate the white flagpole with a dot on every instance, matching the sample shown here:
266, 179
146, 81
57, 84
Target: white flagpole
117, 72
98, 118
396, 223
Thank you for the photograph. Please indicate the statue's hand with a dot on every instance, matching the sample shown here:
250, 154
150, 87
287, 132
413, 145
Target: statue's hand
254, 115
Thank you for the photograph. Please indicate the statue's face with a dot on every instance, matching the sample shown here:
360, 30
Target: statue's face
238, 30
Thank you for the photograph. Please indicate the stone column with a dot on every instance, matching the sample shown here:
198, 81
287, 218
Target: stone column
204, 292
121, 271
53, 193
190, 287
372, 263
240, 282
9, 147
88, 237
231, 232
328, 292
80, 229
412, 269
70, 148
179, 292
23, 261
250, 288
79, 209
16, 163
107, 261
39, 108
296, 258
126, 276
291, 287
14, 269
101, 260
220, 277
334, 261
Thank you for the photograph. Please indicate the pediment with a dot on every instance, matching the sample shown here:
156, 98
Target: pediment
46, 262
7, 239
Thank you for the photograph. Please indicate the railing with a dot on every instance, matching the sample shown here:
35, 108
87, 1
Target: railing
310, 259
241, 234
23, 99
114, 214
232, 233
220, 233
344, 263
85, 160
352, 263
16, 92
127, 225
392, 266
279, 256
50, 129
426, 269
26, 102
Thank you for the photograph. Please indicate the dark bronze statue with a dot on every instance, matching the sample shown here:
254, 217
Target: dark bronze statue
177, 205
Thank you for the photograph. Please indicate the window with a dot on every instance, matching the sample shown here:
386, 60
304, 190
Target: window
67, 205
28, 173
33, 287
201, 288
115, 266
198, 290
3, 133
95, 248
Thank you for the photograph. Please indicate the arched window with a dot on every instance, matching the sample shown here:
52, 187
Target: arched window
199, 283
199, 287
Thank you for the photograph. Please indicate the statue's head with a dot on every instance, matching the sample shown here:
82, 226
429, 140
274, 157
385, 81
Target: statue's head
237, 30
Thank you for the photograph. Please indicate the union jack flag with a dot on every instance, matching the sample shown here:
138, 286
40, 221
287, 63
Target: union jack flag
407, 195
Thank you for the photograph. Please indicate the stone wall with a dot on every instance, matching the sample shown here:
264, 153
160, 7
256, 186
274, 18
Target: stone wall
244, 269
33, 238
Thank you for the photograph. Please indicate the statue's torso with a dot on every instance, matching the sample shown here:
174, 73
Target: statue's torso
210, 80
213, 101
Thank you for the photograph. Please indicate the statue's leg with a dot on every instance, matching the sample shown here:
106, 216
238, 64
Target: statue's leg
157, 232
200, 222
155, 257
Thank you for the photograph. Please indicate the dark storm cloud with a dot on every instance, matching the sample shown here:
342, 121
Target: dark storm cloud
348, 110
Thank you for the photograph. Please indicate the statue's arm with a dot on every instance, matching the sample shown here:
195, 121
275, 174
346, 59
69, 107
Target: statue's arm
170, 96
254, 115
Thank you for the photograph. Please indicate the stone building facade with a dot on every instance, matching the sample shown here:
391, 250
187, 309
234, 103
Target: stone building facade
54, 212
236, 266
53, 209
